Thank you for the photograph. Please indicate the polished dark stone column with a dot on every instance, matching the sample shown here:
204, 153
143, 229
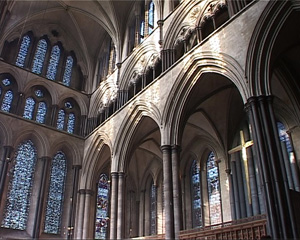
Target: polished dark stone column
4, 166
120, 211
113, 205
168, 192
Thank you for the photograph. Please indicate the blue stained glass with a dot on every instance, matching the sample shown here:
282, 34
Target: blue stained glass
0, 91
6, 82
142, 30
68, 105
53, 64
39, 57
29, 108
71, 123
213, 186
196, 194
56, 194
68, 71
39, 93
151, 17
7, 100
41, 112
19, 190
153, 209
23, 51
61, 119
101, 222
284, 137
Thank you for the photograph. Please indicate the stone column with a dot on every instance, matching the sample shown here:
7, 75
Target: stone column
235, 190
168, 192
142, 214
73, 202
120, 220
79, 224
231, 193
40, 196
176, 191
87, 212
4, 167
113, 205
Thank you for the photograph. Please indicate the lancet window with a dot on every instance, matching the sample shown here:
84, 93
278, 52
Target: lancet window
101, 223
53, 63
39, 57
66, 118
153, 209
23, 51
20, 186
196, 194
56, 194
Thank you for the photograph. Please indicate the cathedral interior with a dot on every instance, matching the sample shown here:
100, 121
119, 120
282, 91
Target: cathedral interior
149, 119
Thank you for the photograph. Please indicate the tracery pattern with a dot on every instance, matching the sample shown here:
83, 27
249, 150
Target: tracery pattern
7, 100
68, 71
39, 56
23, 51
213, 186
41, 112
29, 108
53, 64
19, 190
196, 194
102, 207
56, 194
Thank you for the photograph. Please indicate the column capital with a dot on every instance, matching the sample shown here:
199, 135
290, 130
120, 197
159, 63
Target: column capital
228, 170
76, 166
86, 192
165, 147
175, 147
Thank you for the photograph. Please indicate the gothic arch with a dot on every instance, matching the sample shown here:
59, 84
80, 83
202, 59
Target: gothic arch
262, 42
127, 130
208, 63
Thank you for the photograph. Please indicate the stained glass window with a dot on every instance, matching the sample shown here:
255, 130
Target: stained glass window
39, 93
6, 82
56, 194
68, 71
61, 119
39, 57
284, 137
153, 209
41, 112
213, 187
102, 208
53, 64
71, 123
142, 30
196, 195
68, 105
23, 51
19, 190
7, 100
29, 108
151, 17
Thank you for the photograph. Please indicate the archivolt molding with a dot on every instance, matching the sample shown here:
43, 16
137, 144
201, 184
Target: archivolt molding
91, 159
78, 99
138, 110
138, 63
208, 62
15, 73
6, 134
39, 138
261, 44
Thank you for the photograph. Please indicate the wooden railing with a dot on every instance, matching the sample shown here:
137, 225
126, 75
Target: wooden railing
248, 228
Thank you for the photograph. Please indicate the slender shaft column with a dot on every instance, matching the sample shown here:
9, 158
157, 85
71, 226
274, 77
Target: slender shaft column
287, 208
41, 194
113, 205
87, 213
235, 190
231, 192
79, 224
241, 186
4, 166
168, 192
120, 221
176, 191
73, 201
142, 214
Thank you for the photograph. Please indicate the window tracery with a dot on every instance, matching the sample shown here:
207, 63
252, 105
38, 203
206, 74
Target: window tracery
68, 71
153, 209
196, 194
66, 118
39, 57
53, 63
